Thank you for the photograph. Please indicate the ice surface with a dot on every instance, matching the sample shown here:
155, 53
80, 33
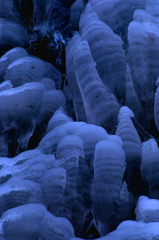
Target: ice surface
116, 139
49, 142
134, 231
19, 111
117, 14
31, 69
35, 222
72, 81
68, 144
132, 100
5, 85
22, 157
109, 166
52, 100
143, 35
9, 57
125, 111
106, 50
16, 193
31, 168
149, 167
100, 105
156, 107
131, 146
147, 210
58, 119
52, 184
48, 83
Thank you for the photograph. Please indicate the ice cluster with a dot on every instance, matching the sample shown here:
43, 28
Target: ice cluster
79, 119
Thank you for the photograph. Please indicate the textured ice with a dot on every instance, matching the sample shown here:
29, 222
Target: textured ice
5, 85
109, 166
19, 111
91, 135
143, 35
72, 81
22, 157
92, 180
116, 139
28, 168
49, 142
156, 106
16, 193
132, 147
34, 221
100, 105
48, 83
58, 119
147, 210
52, 184
9, 57
31, 69
117, 13
132, 100
68, 144
125, 111
52, 100
134, 231
149, 167
107, 52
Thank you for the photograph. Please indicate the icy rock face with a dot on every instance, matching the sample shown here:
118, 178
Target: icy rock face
106, 50
132, 148
100, 105
109, 166
34, 222
16, 128
147, 210
31, 69
149, 167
